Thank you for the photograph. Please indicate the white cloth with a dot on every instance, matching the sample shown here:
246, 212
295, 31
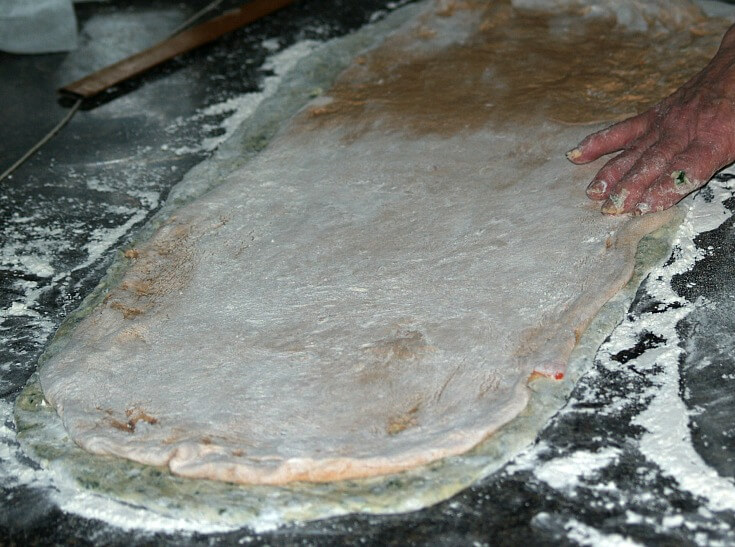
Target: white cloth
37, 26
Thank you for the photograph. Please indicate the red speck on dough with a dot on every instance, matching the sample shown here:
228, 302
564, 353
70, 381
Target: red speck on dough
558, 375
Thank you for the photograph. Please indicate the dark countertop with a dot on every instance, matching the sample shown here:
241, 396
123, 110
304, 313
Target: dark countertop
60, 233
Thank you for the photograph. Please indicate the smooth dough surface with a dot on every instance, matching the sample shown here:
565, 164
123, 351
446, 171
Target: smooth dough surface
369, 294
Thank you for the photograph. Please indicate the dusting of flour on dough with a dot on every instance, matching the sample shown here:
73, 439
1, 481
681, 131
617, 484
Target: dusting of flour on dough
462, 292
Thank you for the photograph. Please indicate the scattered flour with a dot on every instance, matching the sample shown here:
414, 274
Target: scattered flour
565, 472
241, 107
668, 440
14, 469
26, 243
19, 308
271, 44
587, 535
102, 240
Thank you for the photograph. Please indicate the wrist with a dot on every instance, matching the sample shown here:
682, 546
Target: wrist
728, 42
720, 71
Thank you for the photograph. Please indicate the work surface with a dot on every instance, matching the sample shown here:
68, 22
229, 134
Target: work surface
601, 469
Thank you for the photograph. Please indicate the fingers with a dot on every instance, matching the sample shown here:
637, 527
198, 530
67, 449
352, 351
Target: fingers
687, 172
612, 139
652, 164
608, 177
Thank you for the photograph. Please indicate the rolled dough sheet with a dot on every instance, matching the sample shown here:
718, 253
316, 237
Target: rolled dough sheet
374, 290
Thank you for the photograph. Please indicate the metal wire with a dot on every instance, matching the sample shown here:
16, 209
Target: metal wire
209, 7
9, 171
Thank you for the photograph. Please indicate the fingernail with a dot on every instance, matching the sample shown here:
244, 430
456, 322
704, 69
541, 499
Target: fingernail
597, 187
641, 209
614, 204
573, 154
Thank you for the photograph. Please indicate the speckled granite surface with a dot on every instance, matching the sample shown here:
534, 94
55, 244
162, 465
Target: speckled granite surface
600, 472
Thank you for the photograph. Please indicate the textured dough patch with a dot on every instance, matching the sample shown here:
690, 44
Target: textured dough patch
355, 303
509, 66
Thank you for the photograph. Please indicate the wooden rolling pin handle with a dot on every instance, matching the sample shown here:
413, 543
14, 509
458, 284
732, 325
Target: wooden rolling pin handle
186, 40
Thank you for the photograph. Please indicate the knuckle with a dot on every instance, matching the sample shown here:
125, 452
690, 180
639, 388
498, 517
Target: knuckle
651, 165
619, 165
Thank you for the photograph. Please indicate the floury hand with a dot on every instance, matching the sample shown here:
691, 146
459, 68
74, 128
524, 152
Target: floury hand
670, 150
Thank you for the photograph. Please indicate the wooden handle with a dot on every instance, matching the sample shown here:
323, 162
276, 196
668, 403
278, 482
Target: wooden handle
186, 40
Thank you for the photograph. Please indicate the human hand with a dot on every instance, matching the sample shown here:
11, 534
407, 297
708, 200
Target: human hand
670, 150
